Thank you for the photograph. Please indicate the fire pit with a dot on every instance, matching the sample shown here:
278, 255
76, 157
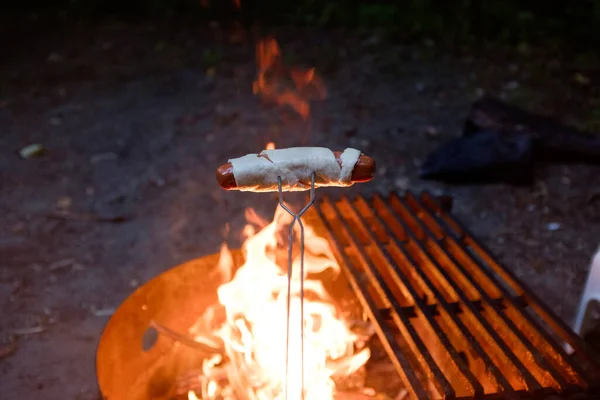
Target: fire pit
452, 321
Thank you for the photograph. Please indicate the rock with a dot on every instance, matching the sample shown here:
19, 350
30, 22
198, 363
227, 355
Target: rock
512, 85
55, 121
402, 183
553, 226
96, 158
54, 58
431, 132
103, 312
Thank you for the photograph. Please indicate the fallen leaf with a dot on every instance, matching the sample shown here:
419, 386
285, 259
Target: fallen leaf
8, 350
581, 79
32, 150
64, 202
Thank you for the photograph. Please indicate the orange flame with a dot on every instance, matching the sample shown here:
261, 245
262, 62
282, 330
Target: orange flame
273, 81
254, 325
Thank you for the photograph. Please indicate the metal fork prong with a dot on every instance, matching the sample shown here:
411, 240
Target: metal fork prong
296, 217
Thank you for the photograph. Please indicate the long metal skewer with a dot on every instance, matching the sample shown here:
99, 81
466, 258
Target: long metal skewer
297, 218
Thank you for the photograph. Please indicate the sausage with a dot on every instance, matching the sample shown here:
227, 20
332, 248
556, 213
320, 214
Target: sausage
364, 170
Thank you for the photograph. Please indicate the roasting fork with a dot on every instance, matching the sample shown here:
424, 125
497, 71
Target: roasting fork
296, 218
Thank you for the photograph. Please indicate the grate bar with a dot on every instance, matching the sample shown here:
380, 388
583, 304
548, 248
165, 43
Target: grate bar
454, 322
454, 307
535, 353
401, 363
423, 308
530, 380
457, 233
441, 382
575, 375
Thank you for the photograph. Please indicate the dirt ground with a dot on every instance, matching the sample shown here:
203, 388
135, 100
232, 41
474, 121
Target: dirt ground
135, 118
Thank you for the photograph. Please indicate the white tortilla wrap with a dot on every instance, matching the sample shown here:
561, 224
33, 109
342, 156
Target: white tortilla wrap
259, 172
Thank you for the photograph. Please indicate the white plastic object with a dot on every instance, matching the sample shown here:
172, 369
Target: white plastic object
590, 300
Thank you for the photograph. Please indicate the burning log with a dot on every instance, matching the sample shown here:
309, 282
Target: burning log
207, 343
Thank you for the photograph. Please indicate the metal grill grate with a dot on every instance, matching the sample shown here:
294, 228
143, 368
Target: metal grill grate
453, 321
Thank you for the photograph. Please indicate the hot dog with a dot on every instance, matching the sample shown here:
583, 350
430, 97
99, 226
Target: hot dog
363, 171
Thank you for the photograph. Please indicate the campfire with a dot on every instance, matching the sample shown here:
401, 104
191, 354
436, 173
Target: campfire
251, 315
450, 321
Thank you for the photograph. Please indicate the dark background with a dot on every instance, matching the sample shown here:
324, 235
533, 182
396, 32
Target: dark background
556, 40
509, 21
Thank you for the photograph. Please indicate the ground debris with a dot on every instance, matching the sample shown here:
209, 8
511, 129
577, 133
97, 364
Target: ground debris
63, 264
64, 202
27, 331
32, 150
8, 349
104, 312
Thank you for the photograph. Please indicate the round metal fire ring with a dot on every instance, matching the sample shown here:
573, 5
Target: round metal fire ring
133, 361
